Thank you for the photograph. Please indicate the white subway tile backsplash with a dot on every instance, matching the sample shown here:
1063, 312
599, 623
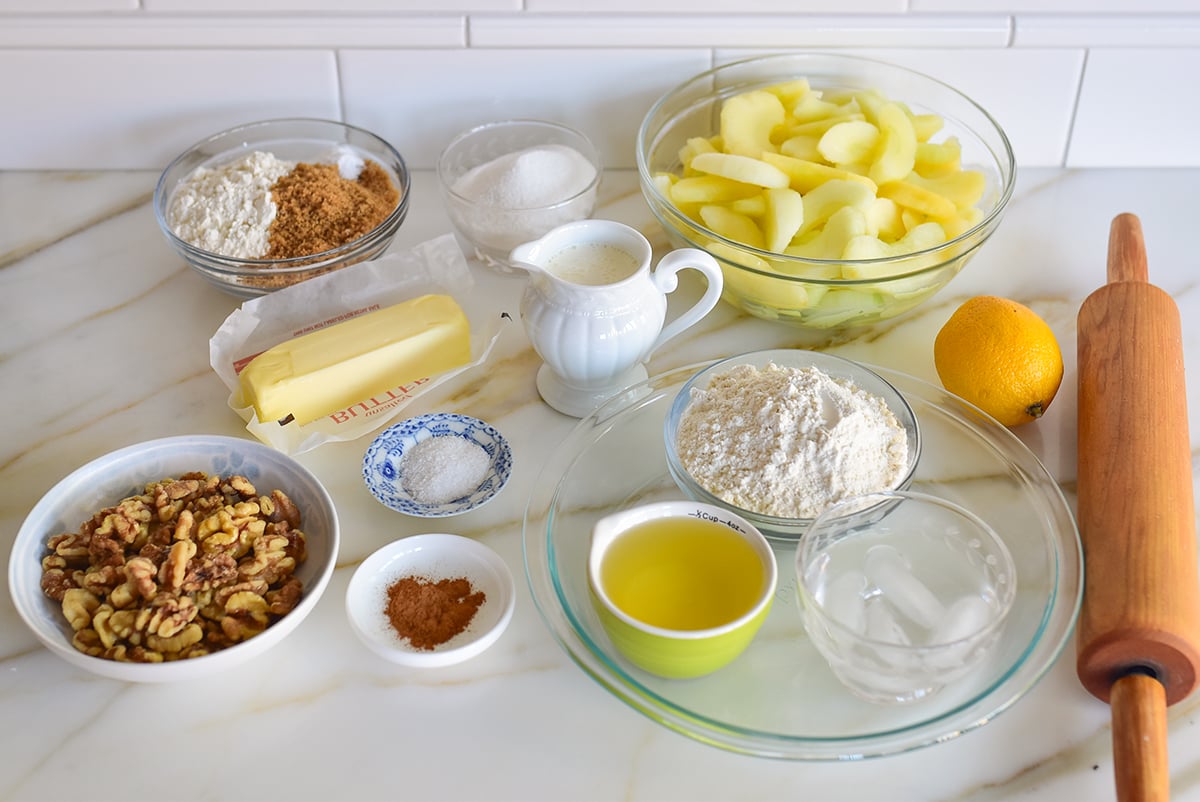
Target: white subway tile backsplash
719, 6
332, 6
1107, 31
130, 82
257, 32
102, 109
696, 30
420, 99
1138, 108
67, 6
1056, 6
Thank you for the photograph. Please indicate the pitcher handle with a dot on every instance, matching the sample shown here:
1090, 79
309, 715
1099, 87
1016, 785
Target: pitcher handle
665, 278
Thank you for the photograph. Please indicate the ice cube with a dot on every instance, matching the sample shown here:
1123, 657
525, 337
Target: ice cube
844, 601
964, 617
882, 626
889, 570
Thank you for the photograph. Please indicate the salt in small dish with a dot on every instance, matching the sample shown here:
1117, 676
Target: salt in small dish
433, 557
383, 463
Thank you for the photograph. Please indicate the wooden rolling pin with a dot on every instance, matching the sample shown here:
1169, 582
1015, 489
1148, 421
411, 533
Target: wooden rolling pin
1140, 624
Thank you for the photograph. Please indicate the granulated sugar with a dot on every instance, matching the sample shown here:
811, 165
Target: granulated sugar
519, 196
443, 468
789, 442
528, 179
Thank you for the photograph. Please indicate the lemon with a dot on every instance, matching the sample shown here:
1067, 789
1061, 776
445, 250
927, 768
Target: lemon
1000, 356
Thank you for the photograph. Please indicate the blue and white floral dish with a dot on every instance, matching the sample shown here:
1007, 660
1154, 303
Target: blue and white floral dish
381, 463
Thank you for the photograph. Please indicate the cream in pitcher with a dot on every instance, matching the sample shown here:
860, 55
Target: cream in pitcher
592, 263
594, 310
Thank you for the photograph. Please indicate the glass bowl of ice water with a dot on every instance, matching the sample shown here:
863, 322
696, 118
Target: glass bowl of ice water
903, 593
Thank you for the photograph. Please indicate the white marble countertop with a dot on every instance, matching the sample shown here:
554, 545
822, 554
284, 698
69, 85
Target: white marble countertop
105, 343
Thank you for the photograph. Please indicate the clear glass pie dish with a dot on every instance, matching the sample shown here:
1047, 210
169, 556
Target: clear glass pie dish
779, 699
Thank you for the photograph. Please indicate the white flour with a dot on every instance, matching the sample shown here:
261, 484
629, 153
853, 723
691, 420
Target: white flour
789, 441
228, 209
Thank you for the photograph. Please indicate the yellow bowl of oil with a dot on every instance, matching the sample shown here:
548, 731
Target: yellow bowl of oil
681, 587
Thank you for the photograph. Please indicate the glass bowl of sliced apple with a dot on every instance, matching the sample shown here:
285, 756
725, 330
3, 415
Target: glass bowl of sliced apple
835, 191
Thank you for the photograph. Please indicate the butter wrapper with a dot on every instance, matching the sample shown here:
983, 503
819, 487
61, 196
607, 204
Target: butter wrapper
433, 266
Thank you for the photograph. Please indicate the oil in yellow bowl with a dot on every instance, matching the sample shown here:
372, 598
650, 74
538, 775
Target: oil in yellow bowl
681, 587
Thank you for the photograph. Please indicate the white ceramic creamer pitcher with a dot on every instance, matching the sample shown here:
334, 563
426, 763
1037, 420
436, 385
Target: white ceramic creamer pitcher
594, 310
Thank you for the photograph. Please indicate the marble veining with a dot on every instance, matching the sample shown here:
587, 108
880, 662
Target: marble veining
106, 343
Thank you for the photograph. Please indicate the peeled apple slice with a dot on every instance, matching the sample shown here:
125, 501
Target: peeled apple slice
783, 217
693, 147
731, 225
804, 175
826, 200
897, 145
710, 189
802, 146
926, 235
830, 241
840, 306
747, 121
755, 205
740, 168
763, 292
848, 142
918, 199
938, 159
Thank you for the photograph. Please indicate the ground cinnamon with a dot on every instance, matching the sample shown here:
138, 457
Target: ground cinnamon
429, 613
318, 210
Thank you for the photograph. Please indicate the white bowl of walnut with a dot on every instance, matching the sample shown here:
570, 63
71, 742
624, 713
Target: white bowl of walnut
174, 558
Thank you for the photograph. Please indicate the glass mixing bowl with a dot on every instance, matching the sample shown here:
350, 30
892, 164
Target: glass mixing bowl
779, 699
298, 140
824, 293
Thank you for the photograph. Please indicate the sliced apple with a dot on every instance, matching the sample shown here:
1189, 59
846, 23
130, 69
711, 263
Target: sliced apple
783, 218
745, 169
747, 121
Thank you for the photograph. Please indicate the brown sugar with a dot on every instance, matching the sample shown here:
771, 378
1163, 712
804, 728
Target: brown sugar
429, 613
319, 210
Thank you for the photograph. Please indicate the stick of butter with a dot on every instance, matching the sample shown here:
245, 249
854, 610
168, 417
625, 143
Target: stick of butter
332, 368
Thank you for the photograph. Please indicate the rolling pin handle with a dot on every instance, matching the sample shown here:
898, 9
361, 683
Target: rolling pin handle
1127, 250
1139, 736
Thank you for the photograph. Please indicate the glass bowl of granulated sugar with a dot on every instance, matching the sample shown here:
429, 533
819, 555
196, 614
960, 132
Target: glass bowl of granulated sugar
779, 435
269, 204
509, 182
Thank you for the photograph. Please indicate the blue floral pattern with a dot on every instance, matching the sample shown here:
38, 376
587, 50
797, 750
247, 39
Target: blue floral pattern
381, 463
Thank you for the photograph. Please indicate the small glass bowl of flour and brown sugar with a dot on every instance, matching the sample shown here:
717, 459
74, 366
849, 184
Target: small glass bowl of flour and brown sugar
272, 203
779, 435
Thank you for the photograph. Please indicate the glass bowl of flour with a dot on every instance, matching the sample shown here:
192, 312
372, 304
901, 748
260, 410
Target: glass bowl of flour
269, 204
780, 435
